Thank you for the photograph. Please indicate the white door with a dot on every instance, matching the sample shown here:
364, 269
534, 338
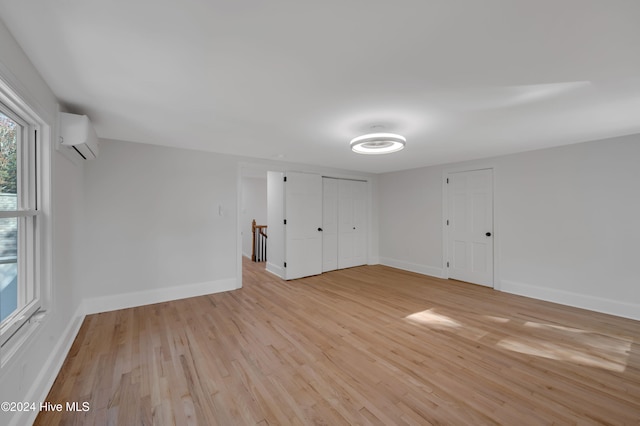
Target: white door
275, 223
329, 224
352, 223
470, 229
303, 228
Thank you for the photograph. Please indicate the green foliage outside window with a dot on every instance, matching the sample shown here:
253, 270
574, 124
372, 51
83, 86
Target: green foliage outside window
8, 155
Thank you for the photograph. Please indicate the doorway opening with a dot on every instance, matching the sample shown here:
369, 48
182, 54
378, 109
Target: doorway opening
252, 217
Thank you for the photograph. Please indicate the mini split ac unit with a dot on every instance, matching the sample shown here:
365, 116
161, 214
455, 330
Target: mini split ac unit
77, 133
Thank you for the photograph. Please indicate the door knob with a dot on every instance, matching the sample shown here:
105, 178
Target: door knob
488, 234
320, 229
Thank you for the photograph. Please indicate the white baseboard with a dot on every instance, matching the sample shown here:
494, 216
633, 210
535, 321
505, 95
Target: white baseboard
275, 269
140, 298
49, 372
412, 267
592, 303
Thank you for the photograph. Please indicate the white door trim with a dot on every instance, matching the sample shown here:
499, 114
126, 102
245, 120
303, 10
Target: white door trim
445, 213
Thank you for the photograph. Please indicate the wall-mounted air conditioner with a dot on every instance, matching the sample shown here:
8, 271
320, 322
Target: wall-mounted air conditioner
78, 135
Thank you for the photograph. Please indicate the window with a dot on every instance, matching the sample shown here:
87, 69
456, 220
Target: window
20, 230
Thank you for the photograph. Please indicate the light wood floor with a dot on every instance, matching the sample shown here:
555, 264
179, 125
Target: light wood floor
367, 345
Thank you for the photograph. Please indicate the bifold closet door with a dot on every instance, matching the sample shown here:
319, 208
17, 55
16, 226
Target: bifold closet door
329, 224
352, 223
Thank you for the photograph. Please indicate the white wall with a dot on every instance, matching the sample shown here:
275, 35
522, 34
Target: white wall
160, 225
28, 375
410, 220
254, 206
566, 223
152, 230
374, 221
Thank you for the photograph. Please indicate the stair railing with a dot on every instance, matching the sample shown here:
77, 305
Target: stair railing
259, 246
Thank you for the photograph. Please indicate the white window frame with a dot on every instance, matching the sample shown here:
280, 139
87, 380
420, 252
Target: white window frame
33, 255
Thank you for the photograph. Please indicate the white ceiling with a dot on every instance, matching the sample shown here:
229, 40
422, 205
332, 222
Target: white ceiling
296, 80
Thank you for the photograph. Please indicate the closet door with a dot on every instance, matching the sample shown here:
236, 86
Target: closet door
329, 224
352, 223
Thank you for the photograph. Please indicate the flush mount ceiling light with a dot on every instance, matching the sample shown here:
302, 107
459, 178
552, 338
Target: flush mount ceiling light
378, 143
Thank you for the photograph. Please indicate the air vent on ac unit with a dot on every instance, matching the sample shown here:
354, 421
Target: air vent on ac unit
77, 133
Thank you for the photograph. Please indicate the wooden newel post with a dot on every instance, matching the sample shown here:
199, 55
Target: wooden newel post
253, 240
